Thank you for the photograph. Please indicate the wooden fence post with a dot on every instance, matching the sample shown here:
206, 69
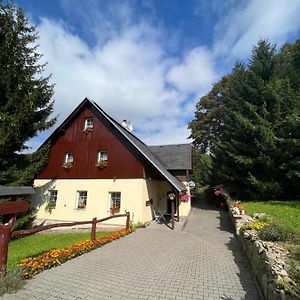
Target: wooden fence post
127, 220
93, 233
5, 232
173, 212
9, 210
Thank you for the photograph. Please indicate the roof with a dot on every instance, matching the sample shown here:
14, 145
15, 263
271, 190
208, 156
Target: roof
174, 157
131, 138
16, 190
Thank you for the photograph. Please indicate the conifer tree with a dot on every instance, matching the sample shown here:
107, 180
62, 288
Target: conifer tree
25, 96
256, 144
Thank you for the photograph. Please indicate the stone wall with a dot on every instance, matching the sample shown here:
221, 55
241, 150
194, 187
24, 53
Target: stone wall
267, 261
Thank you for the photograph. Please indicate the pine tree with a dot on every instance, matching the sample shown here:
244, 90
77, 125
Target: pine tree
25, 96
25, 102
256, 142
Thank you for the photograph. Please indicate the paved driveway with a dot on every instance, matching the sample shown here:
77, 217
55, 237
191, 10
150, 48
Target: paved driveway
204, 261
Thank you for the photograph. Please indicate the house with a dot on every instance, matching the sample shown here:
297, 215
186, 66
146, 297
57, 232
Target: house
97, 167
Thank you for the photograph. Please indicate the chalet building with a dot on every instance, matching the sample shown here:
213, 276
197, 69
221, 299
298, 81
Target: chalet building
97, 167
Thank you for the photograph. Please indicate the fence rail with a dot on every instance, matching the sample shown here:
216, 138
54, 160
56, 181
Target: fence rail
93, 222
6, 232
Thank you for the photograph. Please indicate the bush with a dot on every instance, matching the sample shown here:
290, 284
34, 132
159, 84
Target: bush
11, 282
276, 232
254, 225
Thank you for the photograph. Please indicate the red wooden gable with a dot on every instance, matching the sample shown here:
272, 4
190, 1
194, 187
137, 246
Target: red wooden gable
123, 160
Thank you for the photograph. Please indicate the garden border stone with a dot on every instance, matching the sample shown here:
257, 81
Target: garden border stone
267, 260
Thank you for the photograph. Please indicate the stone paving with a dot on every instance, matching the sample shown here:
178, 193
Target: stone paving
204, 261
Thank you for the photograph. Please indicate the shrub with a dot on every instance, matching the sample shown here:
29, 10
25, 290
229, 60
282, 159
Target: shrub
11, 281
254, 225
275, 232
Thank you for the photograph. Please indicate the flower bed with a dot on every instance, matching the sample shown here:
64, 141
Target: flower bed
33, 265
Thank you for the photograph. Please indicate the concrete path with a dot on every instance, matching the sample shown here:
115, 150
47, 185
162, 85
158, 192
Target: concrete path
204, 261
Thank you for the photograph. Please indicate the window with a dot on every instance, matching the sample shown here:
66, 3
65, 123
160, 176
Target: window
69, 157
115, 202
88, 123
102, 155
52, 198
81, 199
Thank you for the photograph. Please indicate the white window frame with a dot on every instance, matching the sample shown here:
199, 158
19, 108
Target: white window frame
81, 199
111, 200
87, 125
52, 197
102, 156
69, 157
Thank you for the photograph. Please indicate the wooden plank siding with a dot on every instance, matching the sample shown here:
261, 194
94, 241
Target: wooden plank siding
123, 160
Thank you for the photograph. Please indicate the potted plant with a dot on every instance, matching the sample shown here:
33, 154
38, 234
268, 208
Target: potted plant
114, 210
101, 164
67, 165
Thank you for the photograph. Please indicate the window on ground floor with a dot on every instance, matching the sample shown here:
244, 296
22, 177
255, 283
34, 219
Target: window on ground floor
115, 202
81, 199
52, 198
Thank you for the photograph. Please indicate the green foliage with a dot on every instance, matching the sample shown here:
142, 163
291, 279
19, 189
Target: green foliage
287, 288
201, 168
276, 232
36, 244
285, 212
250, 124
25, 104
255, 225
25, 97
11, 282
294, 267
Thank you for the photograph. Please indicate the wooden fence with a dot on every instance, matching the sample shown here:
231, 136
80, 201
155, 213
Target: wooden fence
10, 209
94, 222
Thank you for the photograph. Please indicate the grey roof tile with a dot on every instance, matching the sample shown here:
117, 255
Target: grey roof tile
16, 190
174, 157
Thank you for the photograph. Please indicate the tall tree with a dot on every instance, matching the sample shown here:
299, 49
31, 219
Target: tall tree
256, 143
25, 96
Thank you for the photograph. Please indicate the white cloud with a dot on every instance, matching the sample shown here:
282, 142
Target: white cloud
127, 67
195, 73
244, 25
127, 76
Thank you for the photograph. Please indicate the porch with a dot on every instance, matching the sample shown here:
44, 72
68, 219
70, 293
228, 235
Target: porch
167, 224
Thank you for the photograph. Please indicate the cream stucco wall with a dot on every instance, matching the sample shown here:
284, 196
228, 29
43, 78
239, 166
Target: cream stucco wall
134, 194
98, 200
185, 207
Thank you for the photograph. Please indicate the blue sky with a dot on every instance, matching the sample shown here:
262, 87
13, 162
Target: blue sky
150, 61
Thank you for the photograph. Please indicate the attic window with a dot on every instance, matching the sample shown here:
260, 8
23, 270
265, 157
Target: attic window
69, 157
88, 123
102, 155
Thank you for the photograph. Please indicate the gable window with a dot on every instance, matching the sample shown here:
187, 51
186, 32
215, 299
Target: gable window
69, 157
102, 159
115, 202
81, 199
88, 123
102, 155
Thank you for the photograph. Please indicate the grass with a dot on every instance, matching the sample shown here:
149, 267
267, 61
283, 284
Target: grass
286, 212
36, 244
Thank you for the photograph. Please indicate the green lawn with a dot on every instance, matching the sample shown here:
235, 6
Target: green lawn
36, 244
287, 212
